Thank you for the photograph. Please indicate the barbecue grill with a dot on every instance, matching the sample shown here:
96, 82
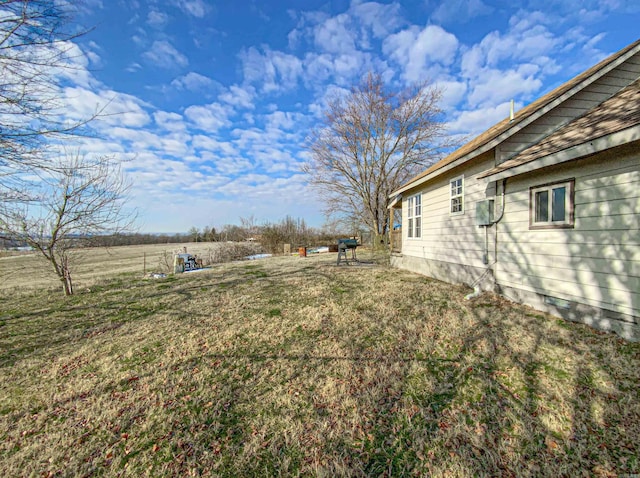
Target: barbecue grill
343, 246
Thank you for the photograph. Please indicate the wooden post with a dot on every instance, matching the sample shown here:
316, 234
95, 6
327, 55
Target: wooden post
144, 264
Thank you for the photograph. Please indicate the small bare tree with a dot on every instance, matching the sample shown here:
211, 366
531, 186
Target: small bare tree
76, 199
372, 141
250, 225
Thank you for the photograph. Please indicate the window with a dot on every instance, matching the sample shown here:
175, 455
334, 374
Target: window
457, 195
414, 216
551, 205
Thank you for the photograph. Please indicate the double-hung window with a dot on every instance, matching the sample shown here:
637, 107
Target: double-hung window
414, 216
551, 205
456, 195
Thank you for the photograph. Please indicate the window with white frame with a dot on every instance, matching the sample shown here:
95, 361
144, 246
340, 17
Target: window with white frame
414, 216
456, 195
551, 205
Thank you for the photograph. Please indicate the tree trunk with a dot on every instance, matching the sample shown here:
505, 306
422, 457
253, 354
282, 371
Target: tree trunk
380, 242
67, 284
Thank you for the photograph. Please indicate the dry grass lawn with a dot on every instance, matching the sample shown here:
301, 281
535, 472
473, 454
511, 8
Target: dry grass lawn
293, 366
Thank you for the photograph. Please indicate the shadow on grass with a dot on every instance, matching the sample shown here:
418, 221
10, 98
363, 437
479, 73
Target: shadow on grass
489, 390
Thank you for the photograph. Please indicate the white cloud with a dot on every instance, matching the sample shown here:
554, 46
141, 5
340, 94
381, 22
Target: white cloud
176, 145
496, 86
193, 81
157, 19
283, 120
98, 147
335, 35
275, 161
169, 121
349, 31
416, 50
329, 93
452, 92
133, 67
343, 69
527, 40
210, 117
274, 70
196, 8
348, 66
213, 145
114, 108
478, 120
381, 19
460, 11
164, 54
239, 97
318, 68
233, 165
74, 64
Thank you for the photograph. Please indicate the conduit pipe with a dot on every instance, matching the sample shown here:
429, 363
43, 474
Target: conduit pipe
476, 292
476, 288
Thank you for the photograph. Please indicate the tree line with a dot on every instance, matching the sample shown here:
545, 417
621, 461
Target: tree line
271, 236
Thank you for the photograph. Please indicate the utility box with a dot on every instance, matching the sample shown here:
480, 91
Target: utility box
484, 212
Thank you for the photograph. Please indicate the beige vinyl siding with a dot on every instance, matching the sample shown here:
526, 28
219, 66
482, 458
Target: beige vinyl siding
586, 99
446, 237
598, 261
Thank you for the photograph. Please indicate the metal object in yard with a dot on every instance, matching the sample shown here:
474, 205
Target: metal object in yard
186, 262
343, 246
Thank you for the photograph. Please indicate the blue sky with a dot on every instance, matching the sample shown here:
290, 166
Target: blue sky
210, 102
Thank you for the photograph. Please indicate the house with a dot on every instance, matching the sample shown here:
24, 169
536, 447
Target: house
543, 207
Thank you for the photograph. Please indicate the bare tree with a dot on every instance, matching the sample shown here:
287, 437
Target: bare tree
194, 234
250, 225
78, 198
36, 52
372, 141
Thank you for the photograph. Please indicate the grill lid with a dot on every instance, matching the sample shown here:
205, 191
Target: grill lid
347, 242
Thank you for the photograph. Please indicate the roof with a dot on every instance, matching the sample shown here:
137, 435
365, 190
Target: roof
619, 112
523, 117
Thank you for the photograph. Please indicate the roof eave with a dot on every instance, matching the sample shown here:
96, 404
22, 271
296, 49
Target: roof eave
588, 148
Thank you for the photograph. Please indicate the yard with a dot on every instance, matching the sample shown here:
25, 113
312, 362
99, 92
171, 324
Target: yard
293, 366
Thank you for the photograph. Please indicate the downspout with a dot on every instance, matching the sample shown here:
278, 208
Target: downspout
476, 287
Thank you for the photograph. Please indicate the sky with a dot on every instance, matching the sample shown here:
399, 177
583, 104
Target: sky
210, 102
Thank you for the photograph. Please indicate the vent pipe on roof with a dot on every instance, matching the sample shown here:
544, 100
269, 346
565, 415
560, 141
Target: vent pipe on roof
511, 111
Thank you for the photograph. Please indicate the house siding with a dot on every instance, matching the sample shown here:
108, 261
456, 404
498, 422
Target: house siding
588, 272
452, 246
595, 265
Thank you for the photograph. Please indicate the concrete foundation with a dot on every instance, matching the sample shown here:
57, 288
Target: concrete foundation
626, 326
447, 271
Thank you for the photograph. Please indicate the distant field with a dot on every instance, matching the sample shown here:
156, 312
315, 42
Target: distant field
30, 271
293, 366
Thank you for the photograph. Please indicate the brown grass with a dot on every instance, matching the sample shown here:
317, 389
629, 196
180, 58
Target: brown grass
292, 366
